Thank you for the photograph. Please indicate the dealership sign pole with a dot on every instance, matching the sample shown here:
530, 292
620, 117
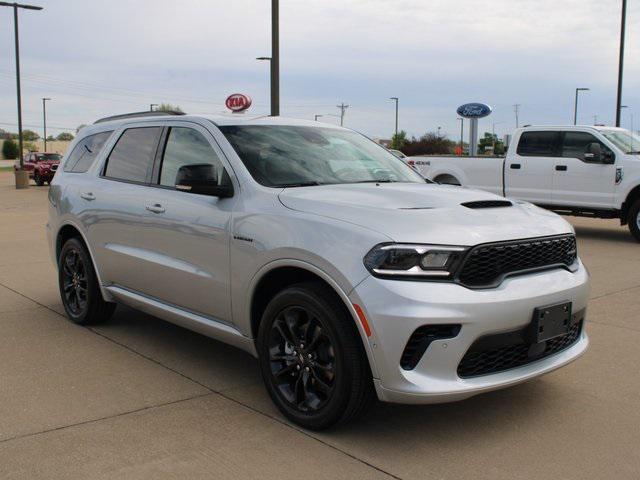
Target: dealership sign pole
473, 111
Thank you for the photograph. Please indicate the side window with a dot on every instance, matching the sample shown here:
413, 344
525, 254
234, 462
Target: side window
186, 148
132, 157
575, 145
538, 144
85, 152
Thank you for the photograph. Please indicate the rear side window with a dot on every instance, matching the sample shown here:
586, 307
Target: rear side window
538, 144
132, 157
575, 144
85, 152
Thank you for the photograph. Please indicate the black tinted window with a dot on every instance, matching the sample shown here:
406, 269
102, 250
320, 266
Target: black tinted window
132, 157
575, 144
186, 146
85, 152
538, 144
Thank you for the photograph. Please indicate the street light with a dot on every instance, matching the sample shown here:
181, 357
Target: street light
575, 105
274, 59
44, 121
395, 99
439, 128
16, 6
151, 105
318, 116
621, 62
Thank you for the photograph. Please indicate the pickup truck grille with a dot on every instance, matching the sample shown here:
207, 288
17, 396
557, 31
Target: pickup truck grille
485, 266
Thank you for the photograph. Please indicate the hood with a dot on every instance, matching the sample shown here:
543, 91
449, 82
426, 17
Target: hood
426, 213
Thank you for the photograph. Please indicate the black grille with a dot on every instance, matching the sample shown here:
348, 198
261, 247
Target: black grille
514, 352
486, 265
488, 204
420, 341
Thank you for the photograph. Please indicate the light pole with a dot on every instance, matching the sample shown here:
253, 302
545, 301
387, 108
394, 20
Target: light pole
274, 59
516, 110
575, 105
44, 122
461, 136
316, 117
623, 22
16, 6
151, 105
439, 128
395, 99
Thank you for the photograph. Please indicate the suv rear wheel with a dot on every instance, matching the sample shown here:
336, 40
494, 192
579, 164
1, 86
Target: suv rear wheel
78, 283
634, 219
38, 179
312, 359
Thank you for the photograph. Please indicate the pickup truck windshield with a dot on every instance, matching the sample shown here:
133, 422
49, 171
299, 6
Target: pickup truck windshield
295, 156
623, 139
50, 157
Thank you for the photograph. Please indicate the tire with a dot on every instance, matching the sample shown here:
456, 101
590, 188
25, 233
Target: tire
326, 381
38, 179
78, 284
634, 219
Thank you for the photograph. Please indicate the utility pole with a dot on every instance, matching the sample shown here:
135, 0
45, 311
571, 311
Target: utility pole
575, 105
342, 108
595, 119
461, 136
516, 109
18, 93
44, 122
623, 23
396, 135
275, 58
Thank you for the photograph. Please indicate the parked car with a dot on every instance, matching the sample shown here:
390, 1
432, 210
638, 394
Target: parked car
41, 166
572, 170
313, 248
398, 153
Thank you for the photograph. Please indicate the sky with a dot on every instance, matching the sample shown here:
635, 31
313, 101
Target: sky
98, 58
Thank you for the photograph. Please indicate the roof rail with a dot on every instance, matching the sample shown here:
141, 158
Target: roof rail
138, 114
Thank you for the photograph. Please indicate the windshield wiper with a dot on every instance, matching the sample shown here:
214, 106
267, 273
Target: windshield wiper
382, 180
298, 184
634, 152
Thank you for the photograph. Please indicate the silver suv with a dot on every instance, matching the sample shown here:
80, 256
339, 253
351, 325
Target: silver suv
346, 273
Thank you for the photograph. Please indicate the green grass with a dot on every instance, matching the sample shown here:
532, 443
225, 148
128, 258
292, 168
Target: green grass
6, 169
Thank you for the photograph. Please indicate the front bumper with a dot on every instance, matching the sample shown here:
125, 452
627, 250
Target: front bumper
395, 309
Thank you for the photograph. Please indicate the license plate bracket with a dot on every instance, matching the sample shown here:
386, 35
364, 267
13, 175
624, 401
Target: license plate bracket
551, 321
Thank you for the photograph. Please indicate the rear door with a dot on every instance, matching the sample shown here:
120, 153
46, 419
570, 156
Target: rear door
528, 172
577, 180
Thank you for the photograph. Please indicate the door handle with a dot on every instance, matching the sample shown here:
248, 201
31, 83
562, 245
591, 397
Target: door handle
515, 166
561, 168
155, 208
88, 196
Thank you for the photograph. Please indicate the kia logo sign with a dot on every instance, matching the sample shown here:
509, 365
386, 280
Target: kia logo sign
474, 110
238, 102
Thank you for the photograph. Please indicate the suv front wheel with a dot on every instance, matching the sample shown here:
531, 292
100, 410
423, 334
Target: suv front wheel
312, 359
634, 219
79, 288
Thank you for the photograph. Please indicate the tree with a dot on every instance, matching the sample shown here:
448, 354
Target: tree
51, 138
10, 149
490, 140
167, 107
397, 141
428, 144
29, 136
64, 137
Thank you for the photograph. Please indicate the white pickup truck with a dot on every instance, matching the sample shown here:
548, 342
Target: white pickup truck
572, 170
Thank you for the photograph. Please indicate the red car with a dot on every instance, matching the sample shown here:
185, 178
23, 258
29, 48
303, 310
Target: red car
41, 166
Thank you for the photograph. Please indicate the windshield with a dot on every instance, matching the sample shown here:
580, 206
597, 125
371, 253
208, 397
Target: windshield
51, 157
624, 140
282, 156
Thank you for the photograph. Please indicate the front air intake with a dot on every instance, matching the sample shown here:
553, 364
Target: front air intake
420, 341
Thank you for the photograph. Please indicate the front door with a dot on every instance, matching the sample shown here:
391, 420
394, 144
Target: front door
577, 180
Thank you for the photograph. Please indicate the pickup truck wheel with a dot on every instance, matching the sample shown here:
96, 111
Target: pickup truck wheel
634, 219
312, 359
79, 289
38, 179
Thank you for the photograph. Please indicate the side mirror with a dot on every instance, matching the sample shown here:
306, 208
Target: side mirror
202, 178
593, 153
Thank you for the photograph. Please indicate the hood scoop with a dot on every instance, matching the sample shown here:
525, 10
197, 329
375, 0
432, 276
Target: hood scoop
487, 204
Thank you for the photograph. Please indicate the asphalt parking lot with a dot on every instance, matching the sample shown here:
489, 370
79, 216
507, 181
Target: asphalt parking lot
141, 398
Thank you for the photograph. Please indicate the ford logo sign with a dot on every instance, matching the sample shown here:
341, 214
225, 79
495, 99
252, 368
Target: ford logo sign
238, 102
474, 110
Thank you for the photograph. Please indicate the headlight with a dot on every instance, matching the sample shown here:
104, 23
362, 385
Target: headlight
419, 261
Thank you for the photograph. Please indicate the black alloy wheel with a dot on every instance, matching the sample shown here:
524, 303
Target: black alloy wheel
79, 287
312, 358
